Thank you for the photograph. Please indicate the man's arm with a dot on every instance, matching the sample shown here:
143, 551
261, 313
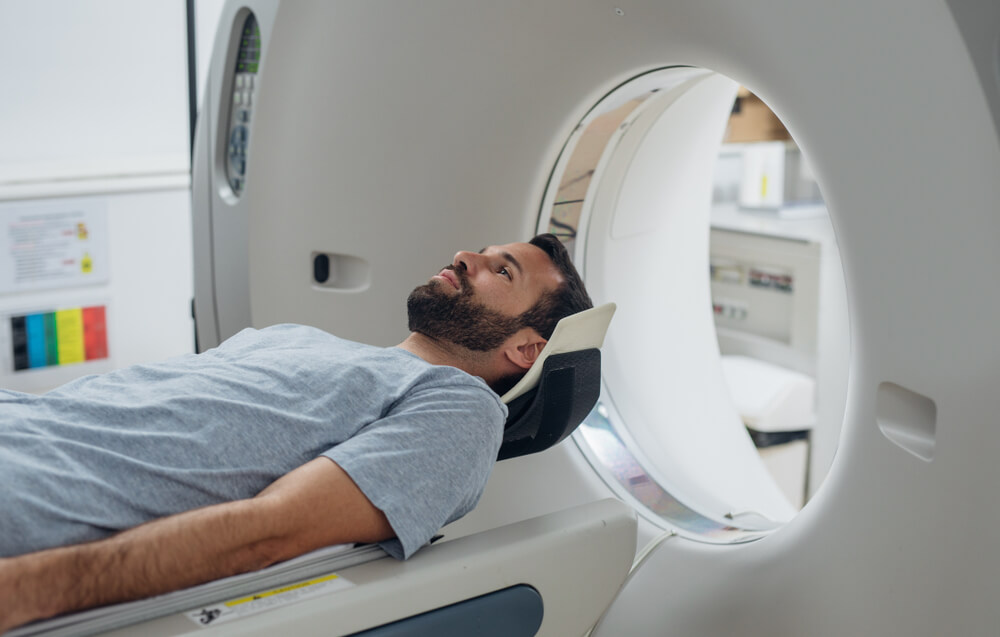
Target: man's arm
313, 506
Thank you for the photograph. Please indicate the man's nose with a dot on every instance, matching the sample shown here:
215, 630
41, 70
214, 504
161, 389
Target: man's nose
467, 260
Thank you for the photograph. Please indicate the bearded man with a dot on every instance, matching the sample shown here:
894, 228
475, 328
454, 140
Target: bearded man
278, 442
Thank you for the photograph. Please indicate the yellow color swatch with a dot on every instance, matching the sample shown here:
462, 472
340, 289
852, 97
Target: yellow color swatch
69, 327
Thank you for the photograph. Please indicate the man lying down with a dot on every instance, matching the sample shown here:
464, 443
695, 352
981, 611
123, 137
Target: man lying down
280, 441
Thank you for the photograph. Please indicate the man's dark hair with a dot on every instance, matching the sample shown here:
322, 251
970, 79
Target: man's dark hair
569, 298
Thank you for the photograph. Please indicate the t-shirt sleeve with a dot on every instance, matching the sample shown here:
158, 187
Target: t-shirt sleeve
427, 461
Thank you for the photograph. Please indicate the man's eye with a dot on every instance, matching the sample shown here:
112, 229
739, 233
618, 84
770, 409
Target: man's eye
504, 271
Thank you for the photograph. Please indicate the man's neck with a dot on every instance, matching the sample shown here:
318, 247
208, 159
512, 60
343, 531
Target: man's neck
438, 352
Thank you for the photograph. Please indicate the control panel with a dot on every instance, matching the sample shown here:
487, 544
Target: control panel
766, 286
242, 98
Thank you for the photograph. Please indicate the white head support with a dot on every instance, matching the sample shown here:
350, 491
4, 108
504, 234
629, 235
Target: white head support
583, 330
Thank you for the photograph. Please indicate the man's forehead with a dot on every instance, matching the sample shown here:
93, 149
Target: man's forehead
516, 249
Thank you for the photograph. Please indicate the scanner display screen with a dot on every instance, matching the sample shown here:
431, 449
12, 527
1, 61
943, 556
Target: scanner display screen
242, 97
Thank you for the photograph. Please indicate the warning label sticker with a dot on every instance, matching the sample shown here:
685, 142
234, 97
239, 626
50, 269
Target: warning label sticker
266, 600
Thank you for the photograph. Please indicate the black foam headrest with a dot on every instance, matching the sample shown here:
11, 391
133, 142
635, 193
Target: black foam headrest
568, 389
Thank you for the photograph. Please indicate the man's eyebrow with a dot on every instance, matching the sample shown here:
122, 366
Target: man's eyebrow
509, 257
513, 261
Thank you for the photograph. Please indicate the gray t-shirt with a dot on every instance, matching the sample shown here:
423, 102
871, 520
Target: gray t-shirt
108, 452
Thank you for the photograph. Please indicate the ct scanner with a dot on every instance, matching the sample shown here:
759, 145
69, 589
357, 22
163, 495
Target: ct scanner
361, 144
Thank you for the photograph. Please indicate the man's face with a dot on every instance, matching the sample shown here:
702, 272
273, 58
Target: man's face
477, 301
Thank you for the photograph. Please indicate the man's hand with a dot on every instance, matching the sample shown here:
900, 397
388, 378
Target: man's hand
313, 506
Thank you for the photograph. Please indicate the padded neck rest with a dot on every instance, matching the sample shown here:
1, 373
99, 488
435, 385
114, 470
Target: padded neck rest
568, 389
561, 387
583, 330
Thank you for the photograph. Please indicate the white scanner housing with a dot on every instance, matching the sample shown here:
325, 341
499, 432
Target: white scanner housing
384, 136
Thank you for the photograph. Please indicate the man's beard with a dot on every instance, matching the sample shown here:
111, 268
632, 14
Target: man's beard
458, 318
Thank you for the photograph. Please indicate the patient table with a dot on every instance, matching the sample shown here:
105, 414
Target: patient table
509, 581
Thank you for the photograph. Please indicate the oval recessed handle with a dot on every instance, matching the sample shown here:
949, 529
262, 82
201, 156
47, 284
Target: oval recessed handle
321, 268
344, 272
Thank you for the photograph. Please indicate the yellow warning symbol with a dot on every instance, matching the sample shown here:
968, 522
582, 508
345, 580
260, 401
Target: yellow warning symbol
86, 264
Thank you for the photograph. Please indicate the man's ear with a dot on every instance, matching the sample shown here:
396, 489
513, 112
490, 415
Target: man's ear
524, 347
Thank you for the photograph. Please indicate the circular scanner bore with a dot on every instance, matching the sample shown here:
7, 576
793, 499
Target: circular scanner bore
705, 286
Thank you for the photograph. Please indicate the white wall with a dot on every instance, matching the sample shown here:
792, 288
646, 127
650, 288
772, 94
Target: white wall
206, 23
92, 88
95, 112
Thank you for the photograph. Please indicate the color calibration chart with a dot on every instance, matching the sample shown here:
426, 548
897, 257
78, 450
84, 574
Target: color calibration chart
59, 337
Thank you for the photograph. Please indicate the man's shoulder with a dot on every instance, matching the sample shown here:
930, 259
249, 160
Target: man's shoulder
446, 380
